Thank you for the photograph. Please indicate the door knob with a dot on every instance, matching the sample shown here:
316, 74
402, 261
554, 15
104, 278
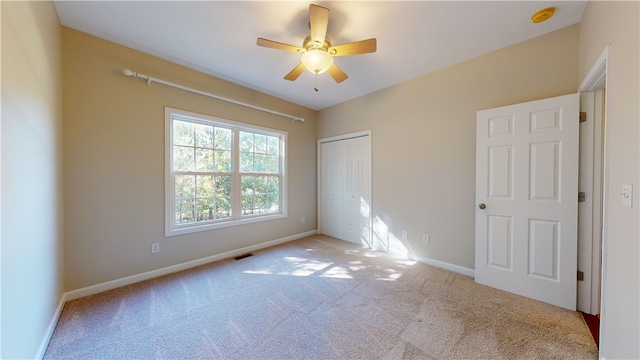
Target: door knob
482, 206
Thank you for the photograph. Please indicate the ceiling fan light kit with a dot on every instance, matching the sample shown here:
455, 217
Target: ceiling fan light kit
317, 52
317, 61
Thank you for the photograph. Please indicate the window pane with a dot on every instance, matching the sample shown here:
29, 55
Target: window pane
223, 186
260, 194
205, 209
246, 162
273, 185
272, 164
184, 212
204, 136
260, 144
259, 163
259, 203
182, 133
183, 158
273, 145
248, 185
185, 187
222, 161
223, 207
246, 141
247, 205
260, 184
204, 160
205, 186
272, 203
223, 139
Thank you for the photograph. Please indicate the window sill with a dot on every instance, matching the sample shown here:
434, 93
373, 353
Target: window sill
219, 225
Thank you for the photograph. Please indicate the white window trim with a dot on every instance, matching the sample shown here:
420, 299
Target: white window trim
237, 218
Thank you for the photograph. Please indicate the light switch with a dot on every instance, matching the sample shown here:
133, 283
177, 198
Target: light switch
627, 194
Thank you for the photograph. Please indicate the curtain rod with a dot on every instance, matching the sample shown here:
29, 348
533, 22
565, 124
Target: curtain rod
150, 79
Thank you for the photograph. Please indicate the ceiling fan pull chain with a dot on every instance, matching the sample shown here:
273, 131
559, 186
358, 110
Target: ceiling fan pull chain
316, 83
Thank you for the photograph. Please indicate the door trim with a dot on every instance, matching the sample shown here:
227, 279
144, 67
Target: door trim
590, 211
321, 141
596, 79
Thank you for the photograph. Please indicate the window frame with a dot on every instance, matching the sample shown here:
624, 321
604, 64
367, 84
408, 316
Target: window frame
237, 218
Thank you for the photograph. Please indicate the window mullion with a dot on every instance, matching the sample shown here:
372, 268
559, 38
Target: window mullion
236, 187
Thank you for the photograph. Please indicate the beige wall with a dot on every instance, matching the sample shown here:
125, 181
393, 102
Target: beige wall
31, 193
616, 24
423, 138
114, 162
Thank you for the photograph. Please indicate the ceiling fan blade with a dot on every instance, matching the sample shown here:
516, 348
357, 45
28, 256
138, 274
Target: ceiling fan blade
337, 74
279, 46
318, 22
293, 74
354, 48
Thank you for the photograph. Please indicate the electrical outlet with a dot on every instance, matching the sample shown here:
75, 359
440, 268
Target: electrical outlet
303, 220
155, 248
426, 239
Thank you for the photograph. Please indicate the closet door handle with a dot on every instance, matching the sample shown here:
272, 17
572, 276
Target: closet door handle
482, 206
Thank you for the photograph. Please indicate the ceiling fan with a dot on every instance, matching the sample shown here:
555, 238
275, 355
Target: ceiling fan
317, 51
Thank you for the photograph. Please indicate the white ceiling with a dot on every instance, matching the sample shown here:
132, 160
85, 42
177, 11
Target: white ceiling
219, 37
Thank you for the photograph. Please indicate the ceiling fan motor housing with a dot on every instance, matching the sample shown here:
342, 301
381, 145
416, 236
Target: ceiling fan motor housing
309, 44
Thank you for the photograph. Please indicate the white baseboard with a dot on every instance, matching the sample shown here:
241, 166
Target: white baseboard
109, 285
51, 328
445, 265
437, 263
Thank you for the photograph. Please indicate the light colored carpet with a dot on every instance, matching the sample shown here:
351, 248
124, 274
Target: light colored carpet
316, 298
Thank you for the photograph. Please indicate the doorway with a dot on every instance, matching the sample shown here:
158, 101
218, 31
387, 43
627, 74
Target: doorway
593, 299
590, 207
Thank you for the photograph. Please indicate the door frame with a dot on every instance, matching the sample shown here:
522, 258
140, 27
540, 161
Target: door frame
590, 209
365, 133
597, 79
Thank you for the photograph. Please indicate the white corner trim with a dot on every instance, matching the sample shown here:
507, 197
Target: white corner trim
98, 288
51, 328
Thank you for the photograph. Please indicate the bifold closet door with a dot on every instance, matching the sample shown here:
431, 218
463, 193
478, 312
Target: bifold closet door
346, 189
332, 175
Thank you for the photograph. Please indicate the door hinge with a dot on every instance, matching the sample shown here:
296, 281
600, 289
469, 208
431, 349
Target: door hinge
580, 276
583, 116
582, 197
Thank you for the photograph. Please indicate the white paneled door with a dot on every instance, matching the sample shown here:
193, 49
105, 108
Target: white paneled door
345, 177
526, 199
332, 172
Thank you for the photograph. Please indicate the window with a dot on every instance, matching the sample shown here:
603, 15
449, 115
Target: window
221, 173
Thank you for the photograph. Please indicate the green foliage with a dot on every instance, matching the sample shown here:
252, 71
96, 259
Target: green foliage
183, 133
260, 194
259, 153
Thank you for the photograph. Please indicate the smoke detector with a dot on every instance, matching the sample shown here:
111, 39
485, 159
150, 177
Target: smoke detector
543, 15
